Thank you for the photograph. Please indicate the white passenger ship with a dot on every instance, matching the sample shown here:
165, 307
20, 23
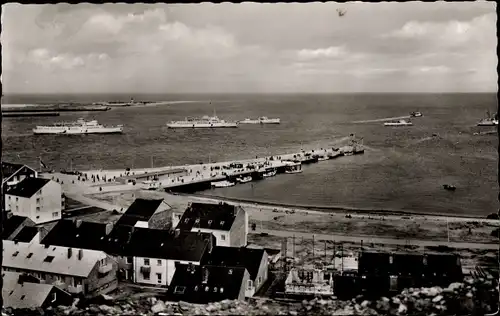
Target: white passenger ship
79, 127
261, 120
203, 122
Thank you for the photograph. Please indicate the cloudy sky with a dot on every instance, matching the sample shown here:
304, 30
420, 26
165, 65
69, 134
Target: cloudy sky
379, 47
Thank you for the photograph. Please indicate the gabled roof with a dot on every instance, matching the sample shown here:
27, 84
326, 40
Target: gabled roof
24, 295
140, 210
54, 259
9, 169
160, 244
243, 257
222, 283
208, 216
27, 187
130, 241
11, 224
26, 234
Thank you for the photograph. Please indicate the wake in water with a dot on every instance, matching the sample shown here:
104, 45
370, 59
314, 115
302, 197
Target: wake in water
384, 119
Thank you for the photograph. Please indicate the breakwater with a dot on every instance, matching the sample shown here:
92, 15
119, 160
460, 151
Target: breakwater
56, 108
28, 114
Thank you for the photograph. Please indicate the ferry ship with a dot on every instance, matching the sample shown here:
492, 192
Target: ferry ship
79, 127
489, 121
399, 123
203, 122
261, 120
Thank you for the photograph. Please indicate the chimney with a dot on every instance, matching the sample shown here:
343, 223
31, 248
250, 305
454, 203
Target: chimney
70, 252
78, 223
80, 254
205, 274
109, 228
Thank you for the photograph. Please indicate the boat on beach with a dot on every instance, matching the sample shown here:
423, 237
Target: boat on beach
399, 123
490, 120
81, 126
203, 122
244, 179
222, 184
261, 120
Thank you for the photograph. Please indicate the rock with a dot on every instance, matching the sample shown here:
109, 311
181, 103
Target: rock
107, 309
158, 307
437, 299
454, 286
469, 294
365, 303
293, 313
211, 308
402, 309
396, 300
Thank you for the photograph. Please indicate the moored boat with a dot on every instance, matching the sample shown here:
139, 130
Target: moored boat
203, 122
151, 184
261, 120
79, 127
222, 184
415, 114
399, 123
293, 168
270, 173
489, 120
244, 179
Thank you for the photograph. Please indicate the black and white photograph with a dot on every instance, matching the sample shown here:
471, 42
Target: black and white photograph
316, 158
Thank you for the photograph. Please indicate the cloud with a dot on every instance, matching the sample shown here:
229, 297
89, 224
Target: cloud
330, 52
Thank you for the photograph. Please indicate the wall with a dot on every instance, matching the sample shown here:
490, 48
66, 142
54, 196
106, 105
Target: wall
23, 208
50, 202
242, 293
263, 272
239, 229
155, 268
96, 283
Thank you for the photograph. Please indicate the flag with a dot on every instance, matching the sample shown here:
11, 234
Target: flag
42, 164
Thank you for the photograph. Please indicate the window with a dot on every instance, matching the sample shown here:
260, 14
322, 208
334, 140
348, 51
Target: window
146, 262
249, 284
22, 297
180, 289
76, 282
209, 222
15, 254
158, 262
223, 237
186, 220
197, 221
38, 200
222, 223
129, 259
17, 199
146, 275
55, 214
58, 278
158, 276
259, 280
29, 255
196, 288
38, 208
48, 259
230, 271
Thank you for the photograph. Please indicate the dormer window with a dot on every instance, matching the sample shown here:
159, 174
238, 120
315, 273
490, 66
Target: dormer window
222, 223
215, 289
197, 221
49, 259
206, 288
221, 289
29, 255
230, 271
209, 222
196, 288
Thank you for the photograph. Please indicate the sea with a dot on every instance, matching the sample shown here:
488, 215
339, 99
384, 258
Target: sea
403, 168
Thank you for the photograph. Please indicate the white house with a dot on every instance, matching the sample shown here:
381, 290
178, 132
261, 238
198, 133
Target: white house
146, 213
228, 223
36, 198
78, 271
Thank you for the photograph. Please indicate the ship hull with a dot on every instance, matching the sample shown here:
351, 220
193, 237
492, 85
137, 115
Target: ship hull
77, 131
260, 122
203, 125
397, 124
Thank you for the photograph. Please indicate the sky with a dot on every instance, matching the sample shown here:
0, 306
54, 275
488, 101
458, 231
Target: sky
250, 48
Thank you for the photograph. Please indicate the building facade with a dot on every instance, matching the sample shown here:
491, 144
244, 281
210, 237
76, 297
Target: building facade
35, 198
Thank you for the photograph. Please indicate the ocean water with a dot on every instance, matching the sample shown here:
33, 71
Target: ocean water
403, 168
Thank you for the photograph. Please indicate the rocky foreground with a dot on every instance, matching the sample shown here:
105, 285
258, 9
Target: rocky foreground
470, 298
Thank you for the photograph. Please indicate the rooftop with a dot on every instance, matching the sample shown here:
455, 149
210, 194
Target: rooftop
24, 295
140, 210
11, 224
8, 169
87, 235
221, 283
54, 259
26, 234
238, 257
208, 216
27, 187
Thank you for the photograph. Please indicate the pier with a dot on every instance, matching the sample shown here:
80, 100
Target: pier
199, 177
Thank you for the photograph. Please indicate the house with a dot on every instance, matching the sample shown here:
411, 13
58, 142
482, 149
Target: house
228, 223
144, 256
13, 224
27, 234
13, 173
255, 261
146, 213
77, 271
309, 281
152, 254
22, 291
36, 198
205, 284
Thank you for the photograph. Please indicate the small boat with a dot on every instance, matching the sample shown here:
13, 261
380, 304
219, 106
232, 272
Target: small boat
270, 173
415, 114
449, 187
244, 179
399, 123
323, 158
222, 184
261, 120
489, 120
293, 168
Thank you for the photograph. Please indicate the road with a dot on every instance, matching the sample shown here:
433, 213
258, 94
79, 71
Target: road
377, 240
